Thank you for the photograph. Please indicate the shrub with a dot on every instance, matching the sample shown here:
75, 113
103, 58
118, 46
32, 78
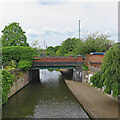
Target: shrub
24, 64
11, 65
16, 53
96, 79
85, 68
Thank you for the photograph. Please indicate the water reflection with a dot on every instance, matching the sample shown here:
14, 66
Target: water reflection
47, 98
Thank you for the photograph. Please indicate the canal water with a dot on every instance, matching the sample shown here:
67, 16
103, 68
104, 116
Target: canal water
48, 97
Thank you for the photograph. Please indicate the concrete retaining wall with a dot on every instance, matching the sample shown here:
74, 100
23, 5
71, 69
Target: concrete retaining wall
22, 79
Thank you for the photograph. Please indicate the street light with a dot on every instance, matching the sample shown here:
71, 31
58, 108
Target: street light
79, 32
79, 29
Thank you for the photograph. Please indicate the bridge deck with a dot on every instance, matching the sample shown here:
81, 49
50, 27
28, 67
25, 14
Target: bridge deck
56, 62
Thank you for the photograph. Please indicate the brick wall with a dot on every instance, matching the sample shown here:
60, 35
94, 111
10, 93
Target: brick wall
22, 79
94, 60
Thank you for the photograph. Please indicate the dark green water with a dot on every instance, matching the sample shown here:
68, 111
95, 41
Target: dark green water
47, 98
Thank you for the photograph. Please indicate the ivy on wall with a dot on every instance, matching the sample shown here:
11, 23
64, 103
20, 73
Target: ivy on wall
7, 81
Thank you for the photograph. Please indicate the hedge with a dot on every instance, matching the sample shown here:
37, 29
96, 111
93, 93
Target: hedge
17, 53
24, 64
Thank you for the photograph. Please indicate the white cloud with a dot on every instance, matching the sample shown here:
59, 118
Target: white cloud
54, 23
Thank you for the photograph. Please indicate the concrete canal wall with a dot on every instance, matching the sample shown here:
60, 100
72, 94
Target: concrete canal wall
22, 78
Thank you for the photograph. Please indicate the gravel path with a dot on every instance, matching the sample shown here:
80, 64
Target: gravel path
97, 104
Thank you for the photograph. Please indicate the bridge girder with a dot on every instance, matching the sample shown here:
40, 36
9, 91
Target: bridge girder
56, 65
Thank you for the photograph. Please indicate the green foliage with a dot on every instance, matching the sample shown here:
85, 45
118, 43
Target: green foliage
109, 76
50, 70
57, 69
96, 79
50, 48
68, 47
7, 81
24, 64
94, 43
16, 53
85, 67
51, 51
111, 69
11, 65
36, 47
13, 35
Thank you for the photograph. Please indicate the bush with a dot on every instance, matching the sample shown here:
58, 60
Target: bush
7, 81
24, 64
96, 79
11, 65
16, 53
85, 68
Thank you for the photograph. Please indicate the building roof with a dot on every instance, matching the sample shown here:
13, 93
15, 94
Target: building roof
97, 53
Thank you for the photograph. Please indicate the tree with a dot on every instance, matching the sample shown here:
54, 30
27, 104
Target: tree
68, 47
13, 35
109, 75
50, 51
94, 43
111, 69
35, 44
36, 47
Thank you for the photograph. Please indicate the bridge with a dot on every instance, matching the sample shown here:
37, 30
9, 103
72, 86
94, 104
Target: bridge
57, 62
74, 63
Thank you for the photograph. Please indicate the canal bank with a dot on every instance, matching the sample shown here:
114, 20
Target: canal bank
96, 104
22, 78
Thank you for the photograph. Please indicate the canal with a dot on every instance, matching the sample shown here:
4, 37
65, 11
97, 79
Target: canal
48, 97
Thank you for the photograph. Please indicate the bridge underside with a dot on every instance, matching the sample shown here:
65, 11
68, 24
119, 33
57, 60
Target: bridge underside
53, 67
76, 65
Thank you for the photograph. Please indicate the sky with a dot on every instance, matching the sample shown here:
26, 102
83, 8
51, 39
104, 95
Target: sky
53, 21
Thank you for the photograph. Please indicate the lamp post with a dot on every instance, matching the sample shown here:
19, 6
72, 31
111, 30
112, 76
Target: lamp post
79, 29
79, 35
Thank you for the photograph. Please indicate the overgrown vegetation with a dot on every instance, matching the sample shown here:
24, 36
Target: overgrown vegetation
16, 53
24, 64
20, 54
7, 81
85, 68
109, 76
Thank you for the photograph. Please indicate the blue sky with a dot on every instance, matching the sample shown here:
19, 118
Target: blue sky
53, 21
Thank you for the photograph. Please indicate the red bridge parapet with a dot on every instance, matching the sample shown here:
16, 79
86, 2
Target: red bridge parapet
64, 59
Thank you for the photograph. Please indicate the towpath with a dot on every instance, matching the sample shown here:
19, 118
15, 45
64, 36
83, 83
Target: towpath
97, 104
